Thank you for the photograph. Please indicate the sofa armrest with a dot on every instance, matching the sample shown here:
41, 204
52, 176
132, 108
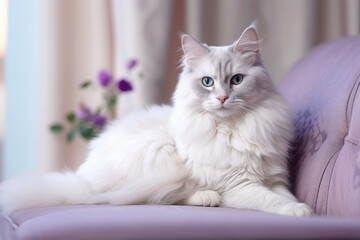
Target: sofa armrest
323, 89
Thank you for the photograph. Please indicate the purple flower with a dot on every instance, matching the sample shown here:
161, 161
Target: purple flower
104, 78
99, 120
130, 63
83, 112
124, 86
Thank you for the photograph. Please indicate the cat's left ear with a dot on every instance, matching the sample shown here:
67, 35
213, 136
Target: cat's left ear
248, 41
193, 50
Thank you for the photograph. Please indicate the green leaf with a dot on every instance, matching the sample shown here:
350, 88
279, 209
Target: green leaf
56, 128
85, 84
111, 102
98, 110
86, 132
70, 135
71, 117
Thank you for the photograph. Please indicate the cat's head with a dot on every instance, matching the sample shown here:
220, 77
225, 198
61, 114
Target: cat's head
225, 81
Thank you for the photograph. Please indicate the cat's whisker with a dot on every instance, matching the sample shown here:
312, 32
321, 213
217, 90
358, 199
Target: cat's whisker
202, 111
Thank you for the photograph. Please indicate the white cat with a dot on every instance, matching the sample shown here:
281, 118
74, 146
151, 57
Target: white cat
224, 142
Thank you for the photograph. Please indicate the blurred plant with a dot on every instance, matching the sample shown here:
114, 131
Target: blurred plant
88, 123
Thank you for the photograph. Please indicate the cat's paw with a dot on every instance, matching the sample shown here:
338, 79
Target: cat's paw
206, 198
296, 209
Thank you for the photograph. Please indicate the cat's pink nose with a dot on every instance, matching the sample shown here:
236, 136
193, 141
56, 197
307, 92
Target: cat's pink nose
222, 99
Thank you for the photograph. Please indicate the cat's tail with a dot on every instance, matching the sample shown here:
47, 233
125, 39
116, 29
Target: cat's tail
52, 189
164, 188
43, 190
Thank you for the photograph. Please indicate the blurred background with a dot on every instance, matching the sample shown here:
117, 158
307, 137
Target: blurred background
49, 47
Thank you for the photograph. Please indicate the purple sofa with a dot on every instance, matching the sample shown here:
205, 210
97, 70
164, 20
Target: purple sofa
323, 89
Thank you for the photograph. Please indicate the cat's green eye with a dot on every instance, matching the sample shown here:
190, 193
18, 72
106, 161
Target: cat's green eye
237, 79
207, 81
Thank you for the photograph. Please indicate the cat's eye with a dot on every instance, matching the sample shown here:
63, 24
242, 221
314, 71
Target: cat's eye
207, 81
237, 79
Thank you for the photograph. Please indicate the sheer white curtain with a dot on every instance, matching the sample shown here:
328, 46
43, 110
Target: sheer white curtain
53, 46
141, 31
85, 45
3, 27
74, 39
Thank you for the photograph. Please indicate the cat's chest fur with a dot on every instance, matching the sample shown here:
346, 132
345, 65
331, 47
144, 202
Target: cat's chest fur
217, 154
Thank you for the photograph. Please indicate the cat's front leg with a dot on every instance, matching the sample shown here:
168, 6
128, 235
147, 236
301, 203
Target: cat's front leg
257, 197
205, 198
283, 191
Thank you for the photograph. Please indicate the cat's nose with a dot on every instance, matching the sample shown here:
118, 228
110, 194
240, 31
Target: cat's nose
222, 99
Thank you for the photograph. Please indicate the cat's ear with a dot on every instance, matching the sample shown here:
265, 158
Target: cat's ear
193, 50
248, 41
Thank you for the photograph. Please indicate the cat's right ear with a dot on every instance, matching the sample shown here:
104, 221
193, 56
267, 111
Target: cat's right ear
193, 50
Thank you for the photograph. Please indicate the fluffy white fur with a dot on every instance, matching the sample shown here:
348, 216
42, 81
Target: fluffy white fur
197, 152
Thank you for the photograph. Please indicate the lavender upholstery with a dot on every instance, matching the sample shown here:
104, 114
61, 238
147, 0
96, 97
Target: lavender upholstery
323, 91
172, 222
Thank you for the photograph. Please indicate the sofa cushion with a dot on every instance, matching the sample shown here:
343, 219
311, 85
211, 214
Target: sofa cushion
170, 222
323, 89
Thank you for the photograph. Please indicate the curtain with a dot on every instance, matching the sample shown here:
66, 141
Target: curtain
288, 29
78, 42
3, 25
53, 46
81, 37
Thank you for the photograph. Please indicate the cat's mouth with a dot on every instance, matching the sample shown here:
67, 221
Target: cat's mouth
222, 108
223, 111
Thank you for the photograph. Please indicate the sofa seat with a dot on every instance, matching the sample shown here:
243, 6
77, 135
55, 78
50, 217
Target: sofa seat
169, 222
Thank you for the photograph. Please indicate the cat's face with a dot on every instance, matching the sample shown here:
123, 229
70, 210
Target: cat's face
226, 80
